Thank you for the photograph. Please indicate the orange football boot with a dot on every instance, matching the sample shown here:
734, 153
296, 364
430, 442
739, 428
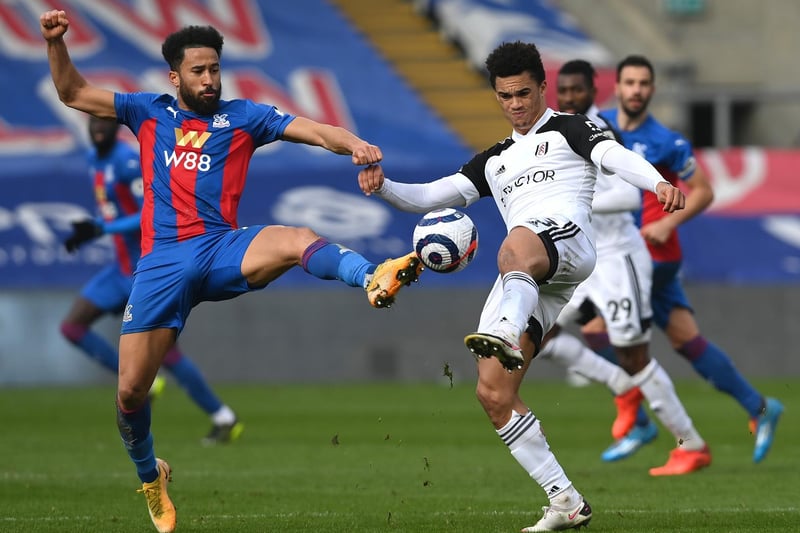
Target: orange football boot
682, 461
627, 406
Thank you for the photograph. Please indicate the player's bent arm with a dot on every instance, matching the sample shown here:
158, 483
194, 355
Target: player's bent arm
620, 197
333, 138
73, 89
629, 165
450, 191
699, 197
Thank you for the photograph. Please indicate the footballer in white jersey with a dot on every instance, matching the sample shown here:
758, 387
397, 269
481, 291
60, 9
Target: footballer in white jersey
619, 286
542, 179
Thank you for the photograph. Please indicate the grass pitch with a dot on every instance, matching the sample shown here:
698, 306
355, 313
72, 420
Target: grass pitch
382, 458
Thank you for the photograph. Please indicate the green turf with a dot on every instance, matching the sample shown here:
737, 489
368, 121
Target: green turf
381, 458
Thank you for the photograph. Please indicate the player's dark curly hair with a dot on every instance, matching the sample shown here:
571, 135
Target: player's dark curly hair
189, 37
636, 61
582, 67
511, 59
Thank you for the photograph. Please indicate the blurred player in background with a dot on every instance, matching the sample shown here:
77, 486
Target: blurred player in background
672, 155
619, 289
195, 152
117, 183
541, 178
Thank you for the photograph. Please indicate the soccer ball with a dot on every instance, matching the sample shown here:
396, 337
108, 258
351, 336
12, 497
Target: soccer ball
445, 240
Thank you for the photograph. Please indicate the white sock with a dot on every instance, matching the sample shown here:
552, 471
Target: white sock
222, 416
659, 391
523, 436
520, 298
569, 352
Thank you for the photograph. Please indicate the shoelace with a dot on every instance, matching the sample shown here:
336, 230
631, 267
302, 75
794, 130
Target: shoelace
153, 496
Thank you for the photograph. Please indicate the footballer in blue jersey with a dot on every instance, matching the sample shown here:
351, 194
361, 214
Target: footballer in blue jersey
195, 151
672, 155
117, 184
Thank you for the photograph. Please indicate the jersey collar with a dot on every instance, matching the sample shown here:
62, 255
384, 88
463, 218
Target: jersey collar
516, 136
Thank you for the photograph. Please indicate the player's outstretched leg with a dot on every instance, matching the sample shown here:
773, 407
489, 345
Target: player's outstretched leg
326, 260
391, 276
764, 427
162, 511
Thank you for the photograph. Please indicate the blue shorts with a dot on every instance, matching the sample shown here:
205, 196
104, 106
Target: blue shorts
108, 289
667, 292
174, 277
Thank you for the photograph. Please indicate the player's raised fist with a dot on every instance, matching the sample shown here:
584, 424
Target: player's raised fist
366, 154
53, 24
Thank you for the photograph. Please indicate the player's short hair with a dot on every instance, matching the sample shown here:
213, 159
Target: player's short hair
636, 61
579, 66
189, 37
511, 59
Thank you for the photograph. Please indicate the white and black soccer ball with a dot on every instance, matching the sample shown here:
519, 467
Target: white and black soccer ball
445, 240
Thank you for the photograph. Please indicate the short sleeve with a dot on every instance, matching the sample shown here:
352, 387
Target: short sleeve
267, 122
133, 109
682, 162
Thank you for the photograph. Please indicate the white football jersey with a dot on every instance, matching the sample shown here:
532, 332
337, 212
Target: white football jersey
551, 170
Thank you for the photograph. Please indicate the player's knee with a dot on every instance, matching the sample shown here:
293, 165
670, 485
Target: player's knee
305, 237
131, 396
693, 349
508, 260
73, 332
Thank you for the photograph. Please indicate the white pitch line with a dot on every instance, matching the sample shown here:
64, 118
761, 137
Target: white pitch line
262, 516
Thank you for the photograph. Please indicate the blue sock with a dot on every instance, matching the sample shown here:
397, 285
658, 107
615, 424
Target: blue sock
191, 379
92, 344
717, 368
331, 261
134, 428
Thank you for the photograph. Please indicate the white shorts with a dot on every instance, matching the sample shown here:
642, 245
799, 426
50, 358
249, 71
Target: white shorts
574, 256
619, 288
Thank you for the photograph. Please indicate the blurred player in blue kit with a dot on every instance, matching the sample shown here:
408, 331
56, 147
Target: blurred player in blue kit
116, 179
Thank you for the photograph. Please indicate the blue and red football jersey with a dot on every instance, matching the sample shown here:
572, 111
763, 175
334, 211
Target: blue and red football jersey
674, 159
116, 180
194, 166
